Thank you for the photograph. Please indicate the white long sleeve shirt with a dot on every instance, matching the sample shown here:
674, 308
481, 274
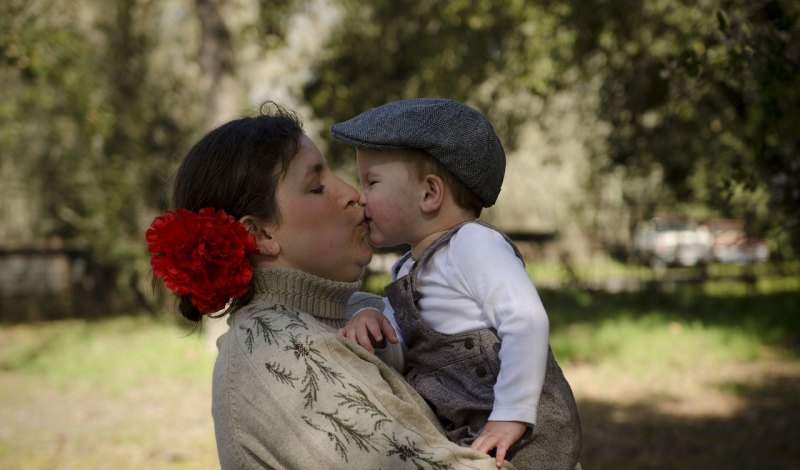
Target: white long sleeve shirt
476, 281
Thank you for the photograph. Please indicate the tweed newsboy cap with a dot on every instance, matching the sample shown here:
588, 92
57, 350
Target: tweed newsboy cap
459, 137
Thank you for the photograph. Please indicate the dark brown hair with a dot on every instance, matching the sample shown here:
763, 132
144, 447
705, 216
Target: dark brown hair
236, 167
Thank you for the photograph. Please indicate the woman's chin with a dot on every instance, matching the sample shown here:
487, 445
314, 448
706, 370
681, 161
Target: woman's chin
366, 257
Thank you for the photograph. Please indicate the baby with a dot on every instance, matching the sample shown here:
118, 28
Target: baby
474, 331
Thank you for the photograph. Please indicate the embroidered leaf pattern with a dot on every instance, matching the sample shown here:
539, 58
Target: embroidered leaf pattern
341, 431
359, 402
409, 452
265, 330
338, 444
316, 367
280, 373
248, 339
294, 320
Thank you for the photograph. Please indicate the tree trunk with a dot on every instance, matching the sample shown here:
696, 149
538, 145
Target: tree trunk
217, 59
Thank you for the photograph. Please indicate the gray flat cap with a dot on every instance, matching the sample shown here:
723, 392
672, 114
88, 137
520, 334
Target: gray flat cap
459, 137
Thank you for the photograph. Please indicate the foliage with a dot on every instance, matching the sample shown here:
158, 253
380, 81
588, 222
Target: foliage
707, 94
699, 98
701, 94
471, 51
92, 111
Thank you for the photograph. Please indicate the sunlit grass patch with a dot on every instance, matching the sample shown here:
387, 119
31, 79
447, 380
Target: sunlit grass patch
114, 353
654, 342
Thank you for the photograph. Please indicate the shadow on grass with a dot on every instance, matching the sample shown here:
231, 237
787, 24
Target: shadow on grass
763, 435
774, 317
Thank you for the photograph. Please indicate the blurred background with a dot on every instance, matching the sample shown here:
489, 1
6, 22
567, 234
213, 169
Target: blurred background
653, 185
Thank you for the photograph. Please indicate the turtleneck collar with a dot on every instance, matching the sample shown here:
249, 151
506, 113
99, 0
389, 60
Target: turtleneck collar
323, 298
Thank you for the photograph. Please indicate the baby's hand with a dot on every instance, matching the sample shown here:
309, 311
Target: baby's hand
500, 435
368, 328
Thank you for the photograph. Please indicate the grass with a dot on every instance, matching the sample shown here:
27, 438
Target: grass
697, 376
115, 354
122, 393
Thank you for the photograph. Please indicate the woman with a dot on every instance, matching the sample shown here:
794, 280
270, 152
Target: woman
287, 391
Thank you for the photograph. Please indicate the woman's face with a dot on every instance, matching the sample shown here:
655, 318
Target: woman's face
322, 228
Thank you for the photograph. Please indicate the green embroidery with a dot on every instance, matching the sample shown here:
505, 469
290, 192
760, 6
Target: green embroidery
359, 402
280, 373
248, 339
263, 329
342, 432
409, 452
294, 320
315, 366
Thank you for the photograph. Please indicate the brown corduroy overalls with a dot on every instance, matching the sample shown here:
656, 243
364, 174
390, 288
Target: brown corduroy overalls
456, 374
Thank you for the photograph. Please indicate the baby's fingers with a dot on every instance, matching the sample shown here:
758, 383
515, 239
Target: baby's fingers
388, 331
353, 335
502, 448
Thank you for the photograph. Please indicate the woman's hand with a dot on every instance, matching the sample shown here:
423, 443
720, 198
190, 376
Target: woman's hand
500, 435
368, 327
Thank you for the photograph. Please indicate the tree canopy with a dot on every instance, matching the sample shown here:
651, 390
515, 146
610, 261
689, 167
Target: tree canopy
705, 93
98, 97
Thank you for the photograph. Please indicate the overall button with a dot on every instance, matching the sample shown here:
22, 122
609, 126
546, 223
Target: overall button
481, 371
469, 343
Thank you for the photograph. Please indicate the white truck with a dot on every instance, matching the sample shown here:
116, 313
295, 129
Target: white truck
677, 242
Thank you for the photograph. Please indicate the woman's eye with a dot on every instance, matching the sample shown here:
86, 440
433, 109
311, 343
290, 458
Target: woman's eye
319, 190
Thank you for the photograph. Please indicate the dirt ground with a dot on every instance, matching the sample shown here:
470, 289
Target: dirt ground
743, 417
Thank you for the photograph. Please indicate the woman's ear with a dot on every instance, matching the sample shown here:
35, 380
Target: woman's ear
434, 191
266, 244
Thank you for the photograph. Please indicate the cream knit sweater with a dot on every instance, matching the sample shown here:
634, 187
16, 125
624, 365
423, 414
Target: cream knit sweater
289, 393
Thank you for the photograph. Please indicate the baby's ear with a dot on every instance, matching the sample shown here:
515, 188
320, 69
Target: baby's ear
434, 191
266, 244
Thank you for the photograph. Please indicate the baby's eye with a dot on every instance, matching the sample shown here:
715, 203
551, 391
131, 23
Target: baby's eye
319, 190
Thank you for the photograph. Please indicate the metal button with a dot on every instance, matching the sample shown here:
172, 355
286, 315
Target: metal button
481, 371
469, 343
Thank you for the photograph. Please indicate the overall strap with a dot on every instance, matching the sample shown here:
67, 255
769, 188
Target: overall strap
445, 238
399, 264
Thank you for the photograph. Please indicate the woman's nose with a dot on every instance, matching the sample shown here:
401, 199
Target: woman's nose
350, 195
362, 199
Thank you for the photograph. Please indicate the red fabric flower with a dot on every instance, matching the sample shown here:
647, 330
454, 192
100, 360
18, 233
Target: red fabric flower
204, 255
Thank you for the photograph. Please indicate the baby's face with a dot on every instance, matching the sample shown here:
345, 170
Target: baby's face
391, 195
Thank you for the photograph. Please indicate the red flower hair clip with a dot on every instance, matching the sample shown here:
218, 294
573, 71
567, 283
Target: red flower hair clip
202, 254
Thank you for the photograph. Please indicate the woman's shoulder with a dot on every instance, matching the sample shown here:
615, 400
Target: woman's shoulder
264, 333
